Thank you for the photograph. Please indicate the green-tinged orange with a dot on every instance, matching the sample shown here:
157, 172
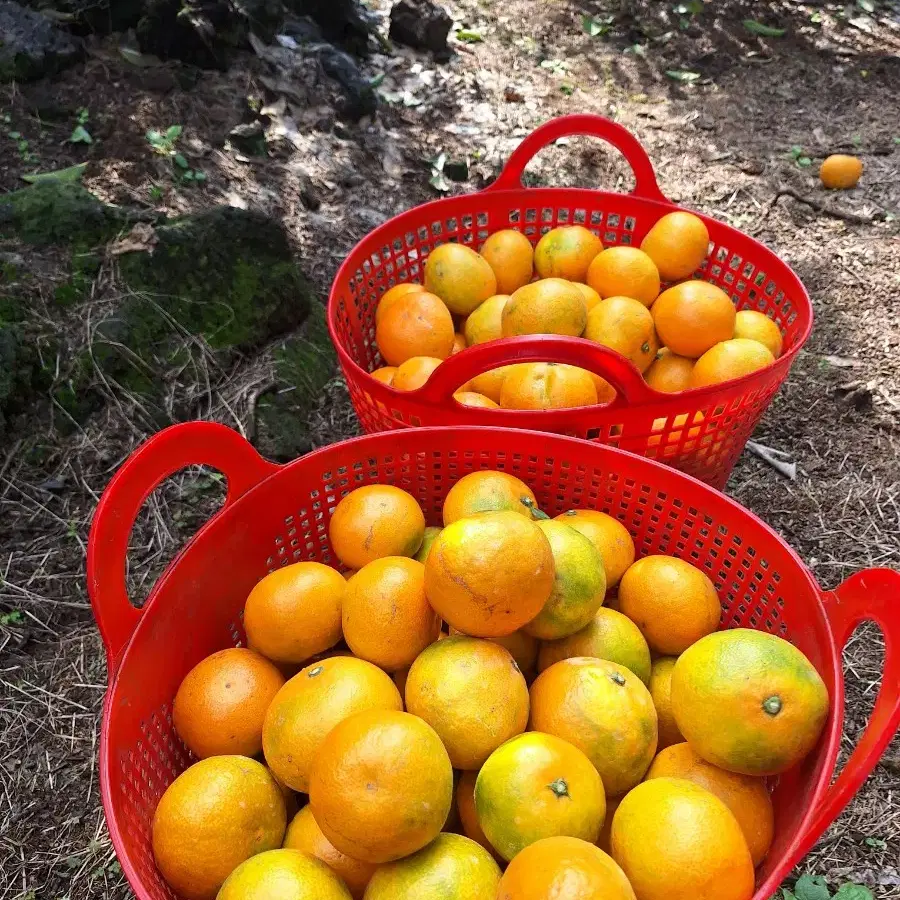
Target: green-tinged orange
431, 532
608, 535
661, 692
548, 306
283, 875
488, 491
566, 252
484, 323
460, 277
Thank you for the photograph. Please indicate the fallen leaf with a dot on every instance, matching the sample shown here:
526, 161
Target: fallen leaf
762, 30
844, 362
681, 75
141, 239
70, 174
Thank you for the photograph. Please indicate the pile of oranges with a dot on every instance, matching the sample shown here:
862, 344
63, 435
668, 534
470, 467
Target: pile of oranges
509, 707
681, 336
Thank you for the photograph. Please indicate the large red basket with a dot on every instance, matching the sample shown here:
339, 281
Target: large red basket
274, 515
723, 416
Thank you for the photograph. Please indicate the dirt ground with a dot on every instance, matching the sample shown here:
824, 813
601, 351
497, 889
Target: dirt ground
720, 128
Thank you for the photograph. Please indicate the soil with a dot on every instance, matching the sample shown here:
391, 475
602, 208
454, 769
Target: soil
739, 120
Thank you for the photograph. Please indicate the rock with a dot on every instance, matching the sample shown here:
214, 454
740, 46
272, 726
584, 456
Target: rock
359, 95
95, 16
345, 22
31, 46
249, 138
421, 24
20, 370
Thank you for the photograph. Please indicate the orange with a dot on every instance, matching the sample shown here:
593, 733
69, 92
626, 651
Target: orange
413, 373
566, 252
677, 841
468, 816
303, 833
670, 372
522, 647
677, 244
431, 532
385, 374
672, 602
374, 521
295, 612
549, 306
471, 693
220, 705
381, 786
415, 325
490, 574
608, 535
459, 343
661, 692
604, 841
283, 875
490, 383
626, 326
536, 786
603, 709
609, 635
728, 360
564, 868
311, 704
214, 815
744, 795
839, 171
579, 587
547, 386
479, 401
693, 316
755, 326
510, 254
460, 277
624, 272
484, 323
748, 701
488, 491
393, 294
591, 297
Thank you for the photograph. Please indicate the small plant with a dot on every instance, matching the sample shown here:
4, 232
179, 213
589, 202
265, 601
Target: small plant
22, 144
80, 134
597, 26
814, 887
165, 143
155, 192
14, 617
799, 156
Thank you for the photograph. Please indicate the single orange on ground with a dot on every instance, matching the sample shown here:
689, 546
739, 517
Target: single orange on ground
478, 401
381, 786
608, 535
756, 326
730, 359
677, 841
295, 612
459, 343
490, 383
693, 316
566, 252
374, 521
536, 786
412, 374
624, 272
661, 692
748, 701
468, 816
283, 875
547, 386
488, 491
471, 692
415, 325
220, 705
605, 710
677, 244
431, 532
490, 574
510, 254
549, 306
385, 374
672, 602
840, 171
311, 704
460, 277
626, 326
744, 795
564, 868
669, 372
591, 297
214, 815
386, 618
485, 323
391, 296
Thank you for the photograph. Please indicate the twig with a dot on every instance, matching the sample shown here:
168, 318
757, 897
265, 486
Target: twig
819, 206
777, 459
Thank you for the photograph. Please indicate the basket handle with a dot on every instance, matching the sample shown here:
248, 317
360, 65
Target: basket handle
645, 184
462, 367
191, 443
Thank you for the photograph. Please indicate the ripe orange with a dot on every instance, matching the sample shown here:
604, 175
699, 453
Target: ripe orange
386, 618
454, 685
755, 326
479, 401
460, 277
214, 815
672, 602
661, 692
392, 295
608, 535
564, 868
220, 705
626, 326
669, 372
624, 272
468, 816
547, 386
413, 373
591, 297
374, 521
484, 323
283, 875
603, 709
744, 795
431, 532
490, 574
693, 316
609, 635
566, 252
488, 491
677, 244
295, 612
521, 646
311, 704
490, 383
840, 172
728, 360
381, 786
536, 786
549, 306
677, 841
510, 254
415, 325
748, 701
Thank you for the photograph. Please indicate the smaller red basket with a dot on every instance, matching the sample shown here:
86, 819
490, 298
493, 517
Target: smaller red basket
640, 419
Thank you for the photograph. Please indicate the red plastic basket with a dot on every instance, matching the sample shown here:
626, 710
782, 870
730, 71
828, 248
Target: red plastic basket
274, 515
723, 416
